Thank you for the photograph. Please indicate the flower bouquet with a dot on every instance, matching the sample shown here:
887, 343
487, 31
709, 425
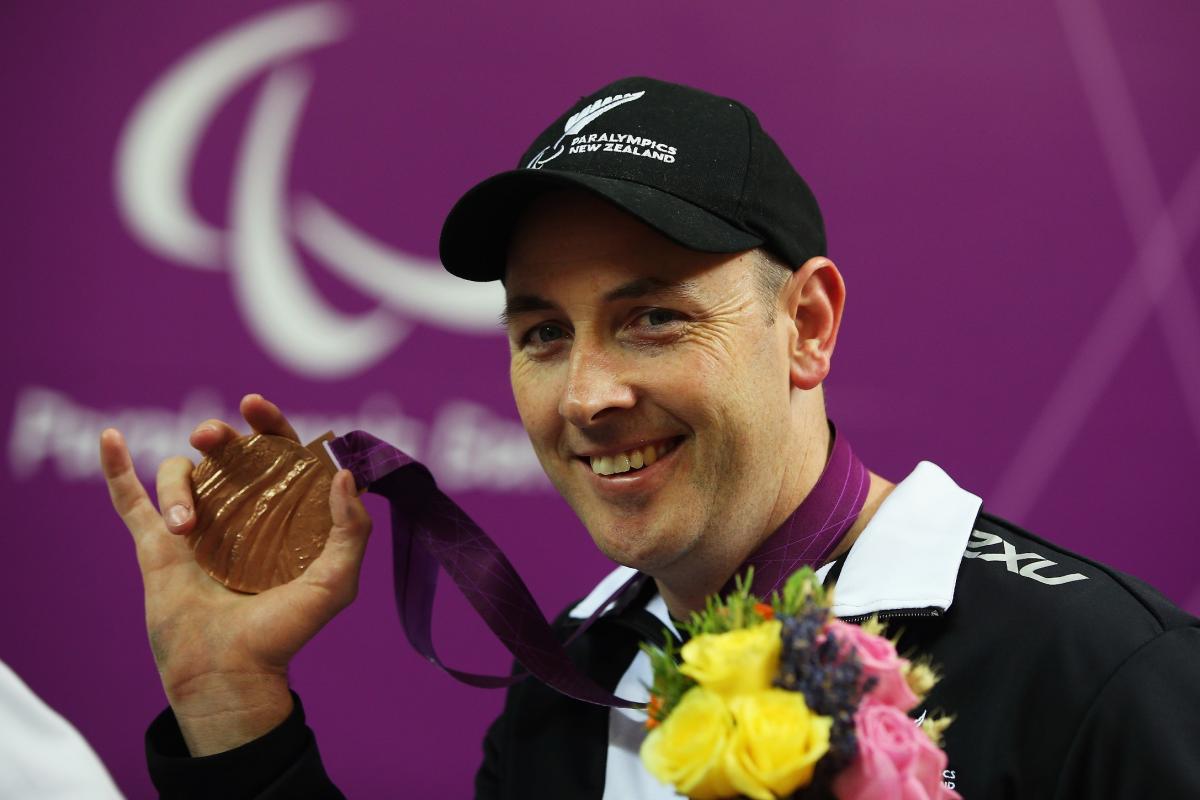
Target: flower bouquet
780, 699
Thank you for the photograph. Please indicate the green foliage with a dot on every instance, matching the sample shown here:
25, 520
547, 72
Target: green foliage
669, 683
802, 586
722, 615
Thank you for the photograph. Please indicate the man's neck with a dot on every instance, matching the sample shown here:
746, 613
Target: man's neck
688, 591
878, 491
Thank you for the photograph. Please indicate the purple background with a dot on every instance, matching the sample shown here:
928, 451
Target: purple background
1010, 191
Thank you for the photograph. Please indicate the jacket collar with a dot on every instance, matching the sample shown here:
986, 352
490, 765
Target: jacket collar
906, 558
909, 554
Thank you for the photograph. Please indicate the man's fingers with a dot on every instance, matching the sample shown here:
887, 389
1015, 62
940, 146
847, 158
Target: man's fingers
174, 489
211, 434
338, 566
129, 497
265, 417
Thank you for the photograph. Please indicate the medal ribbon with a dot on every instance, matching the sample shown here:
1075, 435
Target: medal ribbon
810, 534
429, 530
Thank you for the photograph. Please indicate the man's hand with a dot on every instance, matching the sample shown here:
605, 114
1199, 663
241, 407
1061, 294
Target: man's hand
222, 655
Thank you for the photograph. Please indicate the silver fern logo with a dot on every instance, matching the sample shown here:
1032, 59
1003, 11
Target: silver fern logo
577, 122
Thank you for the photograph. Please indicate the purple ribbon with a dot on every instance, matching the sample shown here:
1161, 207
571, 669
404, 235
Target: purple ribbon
430, 530
814, 529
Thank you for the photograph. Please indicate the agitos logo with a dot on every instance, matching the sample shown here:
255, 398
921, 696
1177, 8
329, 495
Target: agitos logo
261, 247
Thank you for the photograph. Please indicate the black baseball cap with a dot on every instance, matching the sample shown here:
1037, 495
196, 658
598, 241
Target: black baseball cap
696, 167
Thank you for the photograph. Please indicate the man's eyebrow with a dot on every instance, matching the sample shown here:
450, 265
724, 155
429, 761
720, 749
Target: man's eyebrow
641, 287
522, 304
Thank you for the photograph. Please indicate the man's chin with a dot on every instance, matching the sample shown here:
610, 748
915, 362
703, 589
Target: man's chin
640, 549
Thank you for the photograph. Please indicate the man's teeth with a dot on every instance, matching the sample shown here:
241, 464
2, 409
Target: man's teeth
631, 459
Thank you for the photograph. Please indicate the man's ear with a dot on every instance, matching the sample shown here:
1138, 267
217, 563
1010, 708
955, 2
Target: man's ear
813, 299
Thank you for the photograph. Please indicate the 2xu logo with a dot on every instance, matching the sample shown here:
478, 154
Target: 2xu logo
270, 229
1012, 559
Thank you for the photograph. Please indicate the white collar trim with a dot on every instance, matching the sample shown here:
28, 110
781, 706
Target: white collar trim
907, 557
604, 590
909, 554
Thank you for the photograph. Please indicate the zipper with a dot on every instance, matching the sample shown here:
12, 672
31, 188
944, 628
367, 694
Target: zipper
931, 611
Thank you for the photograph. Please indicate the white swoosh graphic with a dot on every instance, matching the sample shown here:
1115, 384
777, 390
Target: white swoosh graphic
282, 307
274, 293
157, 145
419, 288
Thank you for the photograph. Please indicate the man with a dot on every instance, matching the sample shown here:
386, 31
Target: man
672, 315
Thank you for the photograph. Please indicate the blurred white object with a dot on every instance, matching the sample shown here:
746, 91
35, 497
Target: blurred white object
41, 754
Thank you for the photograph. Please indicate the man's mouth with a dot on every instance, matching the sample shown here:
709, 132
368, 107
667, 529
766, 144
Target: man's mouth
632, 460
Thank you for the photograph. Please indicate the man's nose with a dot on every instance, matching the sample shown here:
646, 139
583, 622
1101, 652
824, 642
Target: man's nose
596, 385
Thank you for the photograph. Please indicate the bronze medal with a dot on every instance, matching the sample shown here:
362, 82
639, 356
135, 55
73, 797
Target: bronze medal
262, 510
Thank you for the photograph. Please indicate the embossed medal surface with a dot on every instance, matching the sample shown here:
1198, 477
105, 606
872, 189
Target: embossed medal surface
262, 510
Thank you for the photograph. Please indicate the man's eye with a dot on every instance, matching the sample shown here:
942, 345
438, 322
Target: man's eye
544, 334
657, 317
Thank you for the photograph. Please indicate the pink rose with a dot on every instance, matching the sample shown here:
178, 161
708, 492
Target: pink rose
896, 760
879, 661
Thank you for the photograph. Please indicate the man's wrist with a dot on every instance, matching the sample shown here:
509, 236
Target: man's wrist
221, 712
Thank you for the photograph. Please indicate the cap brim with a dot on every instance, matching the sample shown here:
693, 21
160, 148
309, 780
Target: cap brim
475, 236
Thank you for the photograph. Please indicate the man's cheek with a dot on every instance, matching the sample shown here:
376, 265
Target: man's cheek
536, 404
527, 376
711, 347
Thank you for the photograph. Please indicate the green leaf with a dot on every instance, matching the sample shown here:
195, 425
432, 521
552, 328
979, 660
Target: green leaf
734, 612
669, 684
802, 585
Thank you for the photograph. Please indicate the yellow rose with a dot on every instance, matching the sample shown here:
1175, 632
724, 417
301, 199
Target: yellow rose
688, 749
776, 743
734, 663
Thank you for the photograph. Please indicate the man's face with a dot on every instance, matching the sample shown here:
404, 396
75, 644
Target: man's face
653, 388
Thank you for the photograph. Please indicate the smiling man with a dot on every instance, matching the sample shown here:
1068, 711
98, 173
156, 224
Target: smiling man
672, 315
659, 386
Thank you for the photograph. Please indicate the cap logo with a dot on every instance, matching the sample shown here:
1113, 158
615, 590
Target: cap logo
577, 122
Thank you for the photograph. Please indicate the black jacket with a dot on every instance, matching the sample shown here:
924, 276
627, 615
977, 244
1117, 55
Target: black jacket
1087, 687
1066, 679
